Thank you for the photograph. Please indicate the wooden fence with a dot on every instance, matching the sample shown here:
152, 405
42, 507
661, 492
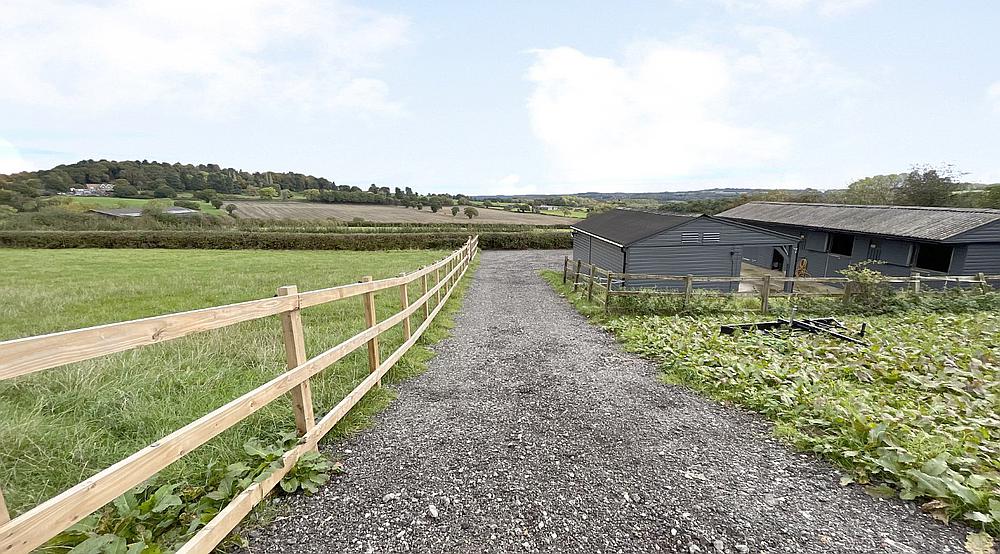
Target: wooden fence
28, 355
592, 278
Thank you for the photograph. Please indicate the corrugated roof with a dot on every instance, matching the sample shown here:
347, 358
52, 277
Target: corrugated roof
923, 223
627, 226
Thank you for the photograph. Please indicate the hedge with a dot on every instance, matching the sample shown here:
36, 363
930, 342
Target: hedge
232, 240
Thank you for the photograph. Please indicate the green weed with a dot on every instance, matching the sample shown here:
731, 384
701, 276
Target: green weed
914, 413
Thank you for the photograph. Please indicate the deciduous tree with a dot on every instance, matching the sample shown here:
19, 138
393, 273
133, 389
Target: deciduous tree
927, 187
164, 191
875, 190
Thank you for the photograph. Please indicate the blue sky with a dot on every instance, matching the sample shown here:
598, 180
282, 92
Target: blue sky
509, 97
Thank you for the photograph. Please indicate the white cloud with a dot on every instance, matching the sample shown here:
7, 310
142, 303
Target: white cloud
669, 115
784, 63
993, 95
10, 159
827, 8
511, 185
657, 116
220, 56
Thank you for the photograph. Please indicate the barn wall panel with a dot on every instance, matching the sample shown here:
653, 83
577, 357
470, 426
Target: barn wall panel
711, 232
702, 260
581, 247
983, 258
606, 255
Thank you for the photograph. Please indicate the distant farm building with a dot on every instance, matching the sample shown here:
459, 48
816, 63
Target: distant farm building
632, 241
903, 239
136, 212
93, 189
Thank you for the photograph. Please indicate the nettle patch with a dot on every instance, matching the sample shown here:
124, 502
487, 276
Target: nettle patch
914, 414
153, 519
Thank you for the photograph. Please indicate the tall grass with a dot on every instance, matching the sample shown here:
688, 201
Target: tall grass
64, 424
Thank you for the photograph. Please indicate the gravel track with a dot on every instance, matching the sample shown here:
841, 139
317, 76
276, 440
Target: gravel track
533, 431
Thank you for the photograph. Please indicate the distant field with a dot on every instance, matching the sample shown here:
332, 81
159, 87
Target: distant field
577, 213
384, 214
64, 424
112, 202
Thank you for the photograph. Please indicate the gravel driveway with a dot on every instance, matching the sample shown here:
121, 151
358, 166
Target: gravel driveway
533, 431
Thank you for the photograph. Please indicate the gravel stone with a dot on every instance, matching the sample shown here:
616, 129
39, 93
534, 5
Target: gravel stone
532, 431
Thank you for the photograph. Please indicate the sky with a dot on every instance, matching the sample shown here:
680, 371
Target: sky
512, 97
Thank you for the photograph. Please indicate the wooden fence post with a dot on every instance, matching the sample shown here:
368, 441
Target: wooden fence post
765, 294
404, 303
983, 285
565, 268
688, 288
916, 281
370, 319
295, 355
427, 308
576, 276
4, 514
607, 294
590, 286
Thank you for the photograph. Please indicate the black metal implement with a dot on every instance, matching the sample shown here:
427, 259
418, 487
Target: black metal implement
824, 325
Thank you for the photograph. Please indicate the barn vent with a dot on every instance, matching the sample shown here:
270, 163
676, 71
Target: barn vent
710, 237
690, 238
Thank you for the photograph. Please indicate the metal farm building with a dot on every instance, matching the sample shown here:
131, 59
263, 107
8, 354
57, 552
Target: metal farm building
633, 241
903, 239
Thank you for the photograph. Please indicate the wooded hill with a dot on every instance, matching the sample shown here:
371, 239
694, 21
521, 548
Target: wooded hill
137, 179
922, 186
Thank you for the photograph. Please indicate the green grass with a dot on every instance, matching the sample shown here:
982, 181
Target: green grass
91, 202
64, 424
579, 214
912, 414
573, 212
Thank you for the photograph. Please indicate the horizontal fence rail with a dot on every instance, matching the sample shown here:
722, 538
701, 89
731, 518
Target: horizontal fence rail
590, 278
28, 355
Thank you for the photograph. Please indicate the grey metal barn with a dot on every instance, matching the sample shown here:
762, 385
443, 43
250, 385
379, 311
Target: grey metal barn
633, 241
905, 239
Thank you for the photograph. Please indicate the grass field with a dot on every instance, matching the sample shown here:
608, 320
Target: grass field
112, 202
575, 213
384, 214
64, 424
913, 414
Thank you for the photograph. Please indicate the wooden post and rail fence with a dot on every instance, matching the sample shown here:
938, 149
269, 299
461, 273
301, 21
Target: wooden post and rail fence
767, 287
33, 354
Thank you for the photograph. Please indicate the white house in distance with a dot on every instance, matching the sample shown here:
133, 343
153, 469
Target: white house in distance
93, 189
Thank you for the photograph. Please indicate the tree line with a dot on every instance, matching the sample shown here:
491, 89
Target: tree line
921, 186
30, 190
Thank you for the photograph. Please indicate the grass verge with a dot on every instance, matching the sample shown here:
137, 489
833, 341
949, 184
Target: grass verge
64, 424
913, 413
104, 202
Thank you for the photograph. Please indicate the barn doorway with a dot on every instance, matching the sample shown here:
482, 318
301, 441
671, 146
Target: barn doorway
777, 260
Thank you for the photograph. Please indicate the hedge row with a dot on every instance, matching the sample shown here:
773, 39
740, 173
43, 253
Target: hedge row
458, 222
230, 240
